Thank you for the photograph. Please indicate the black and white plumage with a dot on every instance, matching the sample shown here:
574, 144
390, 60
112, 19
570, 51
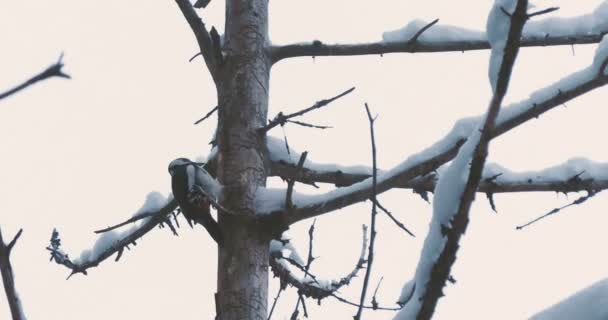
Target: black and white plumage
188, 181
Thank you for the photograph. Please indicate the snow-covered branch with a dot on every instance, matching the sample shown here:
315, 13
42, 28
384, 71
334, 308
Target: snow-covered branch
54, 70
589, 304
495, 179
456, 189
271, 201
156, 210
283, 256
209, 43
584, 29
8, 278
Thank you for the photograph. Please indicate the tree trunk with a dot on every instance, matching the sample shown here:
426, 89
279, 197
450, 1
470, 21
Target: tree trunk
243, 107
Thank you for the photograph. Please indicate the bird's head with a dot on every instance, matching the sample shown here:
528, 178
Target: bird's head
173, 165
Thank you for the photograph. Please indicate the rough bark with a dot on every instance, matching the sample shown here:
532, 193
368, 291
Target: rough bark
243, 105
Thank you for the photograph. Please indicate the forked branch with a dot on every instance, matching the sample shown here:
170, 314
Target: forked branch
8, 278
54, 70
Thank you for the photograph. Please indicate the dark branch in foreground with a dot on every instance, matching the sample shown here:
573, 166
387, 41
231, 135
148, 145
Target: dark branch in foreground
203, 38
54, 70
440, 271
7, 277
207, 115
281, 119
117, 245
318, 49
370, 253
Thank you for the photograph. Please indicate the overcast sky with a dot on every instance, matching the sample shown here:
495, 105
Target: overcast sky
82, 154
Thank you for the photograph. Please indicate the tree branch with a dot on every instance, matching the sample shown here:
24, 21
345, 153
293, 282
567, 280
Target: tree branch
452, 230
8, 278
313, 289
370, 254
281, 118
205, 43
109, 243
54, 70
319, 49
444, 150
495, 179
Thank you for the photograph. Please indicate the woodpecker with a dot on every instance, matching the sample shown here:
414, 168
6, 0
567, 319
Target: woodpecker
185, 182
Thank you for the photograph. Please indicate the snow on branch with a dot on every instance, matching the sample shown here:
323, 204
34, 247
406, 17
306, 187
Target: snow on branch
54, 70
271, 201
495, 179
209, 43
8, 278
456, 189
590, 303
283, 256
155, 211
584, 29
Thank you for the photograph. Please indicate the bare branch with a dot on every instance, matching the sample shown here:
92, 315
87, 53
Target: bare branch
541, 12
8, 278
372, 242
203, 38
117, 242
318, 49
54, 70
280, 118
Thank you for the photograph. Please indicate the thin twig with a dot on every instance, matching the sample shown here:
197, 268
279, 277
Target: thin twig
206, 116
397, 222
590, 194
280, 118
54, 70
275, 302
292, 182
304, 124
545, 11
421, 31
370, 254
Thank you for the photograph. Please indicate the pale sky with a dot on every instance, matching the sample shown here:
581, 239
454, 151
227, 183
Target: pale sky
82, 154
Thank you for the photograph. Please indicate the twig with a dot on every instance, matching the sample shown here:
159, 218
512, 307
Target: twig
374, 300
370, 254
8, 278
390, 215
54, 70
275, 302
345, 301
545, 11
313, 289
280, 118
206, 116
291, 183
421, 31
590, 194
304, 124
